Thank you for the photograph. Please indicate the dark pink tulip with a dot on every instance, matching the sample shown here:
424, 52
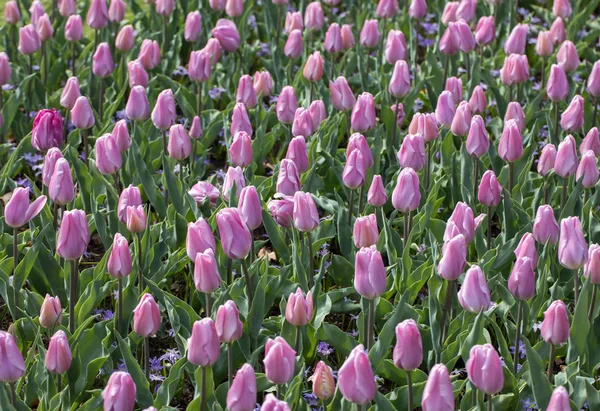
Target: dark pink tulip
299, 308
317, 113
206, 272
193, 26
279, 361
587, 171
408, 351
305, 214
199, 238
547, 159
485, 32
13, 364
438, 394
555, 327
240, 120
526, 248
116, 11
558, 85
567, 56
466, 10
250, 207
282, 210
97, 17
19, 211
74, 28
359, 142
217, 5
196, 128
424, 124
234, 8
490, 190
412, 152
44, 28
138, 76
313, 16
342, 97
323, 382
263, 83
164, 113
146, 317
73, 236
288, 179
462, 120
355, 378
363, 114
203, 345
61, 189
467, 41
347, 37
235, 236
561, 8
454, 86
333, 39
47, 130
149, 54
365, 231
484, 369
29, 40
227, 33
449, 13
293, 21
400, 81
121, 135
272, 403
164, 7
450, 41
298, 153
566, 162
136, 219
545, 227
204, 190
51, 312
50, 160
119, 393
377, 195
474, 294
5, 70
591, 268
369, 35
571, 119
395, 46
228, 325
303, 124
559, 401
313, 69
544, 46
179, 146
240, 150
510, 147
138, 107
119, 262
417, 9
514, 111
108, 155
454, 258
386, 9
82, 115
130, 196
445, 109
241, 396
235, 175
515, 44
406, 195
593, 81
572, 248
245, 91
199, 66
590, 142
355, 170
286, 105
12, 15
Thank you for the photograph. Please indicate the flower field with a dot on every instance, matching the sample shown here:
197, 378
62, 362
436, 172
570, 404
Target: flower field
287, 205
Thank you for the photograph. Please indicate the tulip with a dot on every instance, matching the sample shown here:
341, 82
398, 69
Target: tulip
44, 28
119, 393
263, 83
510, 148
37, 11
323, 382
462, 217
228, 325
347, 37
136, 219
544, 46
571, 119
467, 41
562, 8
462, 120
108, 155
395, 47
485, 32
82, 115
515, 112
193, 26
408, 351
593, 81
406, 196
515, 44
66, 8
116, 11
217, 5
515, 70
282, 210
558, 86
240, 120
298, 153
286, 105
438, 394
454, 86
400, 81
213, 48
204, 190
567, 56
13, 364
450, 41
303, 124
484, 369
12, 15
355, 170
547, 159
313, 16
305, 214
590, 142
365, 231
377, 195
369, 35
73, 29
417, 9
50, 160
121, 135
313, 69
526, 248
206, 273
235, 235
19, 211
412, 152
58, 356
288, 179
137, 107
445, 109
299, 309
363, 113
293, 21
233, 176
271, 403
454, 258
74, 235
449, 12
195, 129
51, 312
199, 238
164, 112
572, 248
279, 361
317, 113
490, 191
180, 145
355, 378
387, 9
587, 171
199, 68
250, 207
203, 345
333, 39
165, 7
149, 54
369, 275
565, 164
241, 395
119, 262
29, 40
559, 401
227, 33
474, 295
61, 188
478, 141
555, 327
245, 92
47, 130
358, 141
234, 8
424, 124
545, 227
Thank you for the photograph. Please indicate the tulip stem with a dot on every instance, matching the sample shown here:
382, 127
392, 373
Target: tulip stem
406, 228
428, 166
30, 86
563, 197
475, 178
15, 262
511, 177
518, 336
556, 116
394, 127
543, 74
138, 238
490, 406
100, 99
249, 289
203, 388
297, 343
58, 383
410, 389
311, 261
361, 199
165, 25
576, 285
164, 140
252, 250
446, 310
229, 271
146, 357
370, 325
199, 102
72, 296
551, 363
445, 71
44, 67
229, 363
208, 304
85, 146
595, 112
592, 303
468, 63
350, 207
73, 58
13, 395
489, 228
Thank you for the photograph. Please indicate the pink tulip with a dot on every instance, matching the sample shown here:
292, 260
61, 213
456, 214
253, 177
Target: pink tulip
386, 9
559, 401
203, 345
70, 94
521, 282
196, 128
240, 120
97, 17
474, 295
407, 195
116, 11
571, 119
526, 248
558, 86
510, 147
241, 396
235, 236
217, 5
565, 164
369, 273
355, 378
417, 9
164, 113
408, 351
298, 153
73, 236
282, 210
279, 361
355, 170
454, 86
234, 8
245, 92
199, 66
365, 231
250, 207
547, 159
206, 272
462, 120
286, 105
313, 69
61, 189
121, 135
485, 32
66, 8
377, 196
228, 325
149, 54
555, 327
544, 46
44, 28
395, 46
466, 10
400, 82
13, 364
299, 309
313, 16
136, 219
47, 130
227, 33
490, 190
462, 216
303, 124
263, 83
593, 82
204, 190
358, 141
29, 40
515, 44
363, 114
108, 155
12, 15
453, 259
567, 56
323, 382
193, 26
199, 238
288, 179
271, 403
412, 152
478, 141
119, 393
449, 12
58, 356
572, 248
293, 21
424, 124
138, 107
234, 175
82, 115
591, 268
369, 35
590, 142
545, 227
333, 39
347, 37
74, 28
484, 369
130, 196
119, 262
305, 214
179, 146
51, 312
400, 115
438, 394
467, 41
164, 7
445, 109
561, 8
587, 171
19, 211
50, 160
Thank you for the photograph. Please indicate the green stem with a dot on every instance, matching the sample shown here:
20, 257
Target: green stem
15, 262
576, 285
490, 406
120, 304
252, 250
73, 58
147, 357
395, 126
278, 33
138, 238
489, 228
85, 147
446, 309
475, 178
229, 363
595, 102
518, 337
208, 304
361, 198
297, 343
551, 362
445, 71
249, 288
563, 197
556, 117
165, 25
370, 325
311, 261
44, 66
100, 99
164, 140
592, 303
199, 102
428, 166
72, 296
13, 395
511, 177
229, 271
410, 390
203, 389
350, 207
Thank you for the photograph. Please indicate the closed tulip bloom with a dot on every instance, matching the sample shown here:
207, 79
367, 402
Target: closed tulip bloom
70, 94
164, 113
164, 7
572, 118
50, 160
363, 113
146, 317
450, 40
82, 115
514, 111
199, 238
395, 46
567, 56
424, 124
279, 361
365, 231
138, 107
369, 273
342, 97
347, 37
149, 54
293, 21
355, 378
203, 345
67, 8
217, 5
412, 152
51, 312
358, 141
526, 248
466, 10
199, 67
317, 113
591, 268
593, 81
179, 146
587, 171
572, 248
454, 258
544, 46
355, 170
271, 403
303, 124
559, 401
454, 86
116, 11
467, 41
19, 211
545, 227
228, 325
119, 393
547, 159
206, 272
313, 16
241, 396
561, 8
445, 109
288, 179
490, 190
235, 236
240, 120
565, 164
245, 92
124, 40
520, 69
282, 210
477, 102
36, 11
333, 39
408, 351
196, 129
555, 327
462, 120
12, 15
438, 394
400, 81
121, 135
449, 13
204, 190
510, 147
234, 8
119, 262
517, 39
485, 32
13, 364
263, 83
521, 282
474, 294
484, 369
369, 35
293, 46
136, 219
417, 9
61, 189
193, 26
47, 130
227, 33
298, 153
590, 142
305, 214
5, 70
558, 86
240, 151
29, 40
108, 155
44, 28
73, 236
507, 70
387, 8
462, 217
313, 69
130, 196
407, 195
377, 196
250, 207
234, 175
323, 382
58, 356
97, 17
299, 309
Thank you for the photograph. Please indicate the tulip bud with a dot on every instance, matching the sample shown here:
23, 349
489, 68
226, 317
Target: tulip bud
241, 396
466, 10
490, 191
369, 35
19, 211
235, 236
462, 120
559, 401
555, 327
97, 17
149, 54
293, 21
567, 56
119, 262
591, 268
478, 141
313, 16
474, 295
61, 189
363, 114
82, 115
29, 40
417, 9
365, 231
130, 196
355, 378
438, 394
165, 7
138, 107
108, 155
282, 210
305, 214
286, 105
213, 48
240, 150
203, 345
44, 28
116, 11
299, 309
521, 282
369, 274
387, 9
206, 272
204, 190
245, 91
69, 95
234, 8
449, 12
58, 356
561, 8
67, 8
5, 70
313, 69
288, 179
400, 81
250, 207
454, 86
395, 47
317, 113
193, 26
263, 83
13, 364
136, 219
180, 145
227, 33
450, 40
196, 129
544, 46
526, 248
412, 152
303, 124
217, 5
454, 258
445, 109
571, 119
271, 403
484, 369
199, 67
298, 153
485, 32
510, 147
74, 28
462, 217
354, 170
199, 238
590, 142
467, 41
347, 37
547, 159
424, 124
146, 317
587, 171
333, 39
572, 248
358, 141
121, 135
514, 111
545, 227
234, 175
517, 39
408, 351
323, 382
279, 361
228, 325
51, 312
47, 130
240, 120
50, 160
407, 195
558, 86
73, 236
565, 164
12, 15
164, 113
400, 115
377, 195
119, 392
593, 82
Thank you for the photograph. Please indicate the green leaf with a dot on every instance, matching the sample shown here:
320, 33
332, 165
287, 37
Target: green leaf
539, 381
143, 396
